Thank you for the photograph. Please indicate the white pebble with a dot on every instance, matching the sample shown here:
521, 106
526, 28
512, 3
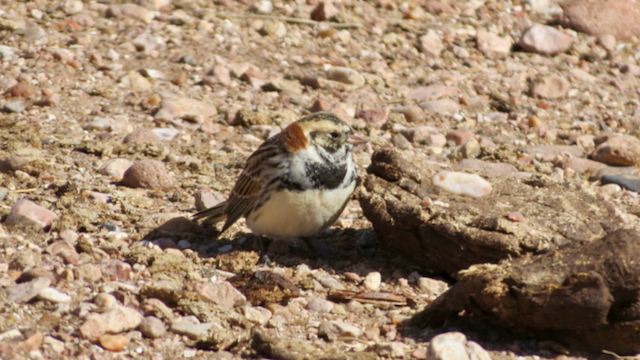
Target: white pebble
372, 281
462, 183
53, 295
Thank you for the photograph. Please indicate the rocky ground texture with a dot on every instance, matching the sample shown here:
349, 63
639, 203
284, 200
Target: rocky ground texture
120, 119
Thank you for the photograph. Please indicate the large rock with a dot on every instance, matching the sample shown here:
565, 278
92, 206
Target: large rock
620, 18
585, 294
619, 150
419, 225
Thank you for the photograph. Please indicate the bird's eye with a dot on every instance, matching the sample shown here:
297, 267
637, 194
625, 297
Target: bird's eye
334, 135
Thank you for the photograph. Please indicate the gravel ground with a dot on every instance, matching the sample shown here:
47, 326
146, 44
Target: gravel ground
120, 119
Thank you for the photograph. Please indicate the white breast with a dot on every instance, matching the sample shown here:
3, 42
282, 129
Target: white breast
290, 214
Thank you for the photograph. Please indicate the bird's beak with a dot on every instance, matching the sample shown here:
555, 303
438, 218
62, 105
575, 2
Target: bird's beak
357, 139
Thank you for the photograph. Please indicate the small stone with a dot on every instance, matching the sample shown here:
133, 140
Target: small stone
56, 345
432, 92
400, 141
580, 165
263, 7
87, 272
552, 151
274, 28
486, 168
131, 11
185, 108
328, 281
372, 281
412, 114
114, 321
462, 183
72, 7
135, 81
115, 168
13, 107
34, 274
53, 295
115, 270
545, 40
191, 327
430, 44
376, 118
105, 301
219, 75
320, 305
222, 294
257, 314
29, 213
442, 106
432, 288
459, 136
550, 87
619, 150
492, 43
345, 75
516, 216
586, 141
24, 260
324, 11
26, 291
152, 327
449, 345
607, 41
614, 170
143, 136
207, 198
113, 342
333, 330
146, 42
3, 193
22, 89
148, 174
49, 100
438, 7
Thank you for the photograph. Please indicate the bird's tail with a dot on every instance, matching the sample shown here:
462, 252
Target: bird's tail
212, 215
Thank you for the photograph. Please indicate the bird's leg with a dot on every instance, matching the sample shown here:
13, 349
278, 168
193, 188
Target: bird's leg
264, 258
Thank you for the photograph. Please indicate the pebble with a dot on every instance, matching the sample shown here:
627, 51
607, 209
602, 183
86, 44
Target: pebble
400, 141
185, 108
431, 44
7, 52
492, 43
324, 11
114, 321
49, 100
207, 198
375, 118
113, 342
454, 346
148, 174
115, 270
372, 281
545, 40
550, 87
619, 18
13, 163
516, 216
142, 135
222, 294
459, 136
486, 168
152, 327
105, 301
619, 150
345, 75
22, 89
319, 305
552, 151
53, 295
166, 133
13, 107
628, 181
432, 288
27, 212
24, 260
462, 183
146, 42
135, 81
36, 273
333, 330
257, 314
432, 92
26, 291
56, 345
3, 193
131, 11
580, 165
263, 7
191, 327
328, 281
442, 106
614, 170
87, 272
115, 168
412, 114
607, 41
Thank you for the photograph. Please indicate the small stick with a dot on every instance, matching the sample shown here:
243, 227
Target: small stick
292, 20
25, 190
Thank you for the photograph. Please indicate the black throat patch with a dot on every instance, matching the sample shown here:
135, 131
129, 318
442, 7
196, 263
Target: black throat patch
326, 175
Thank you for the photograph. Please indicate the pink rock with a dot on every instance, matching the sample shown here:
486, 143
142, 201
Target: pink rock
116, 270
219, 75
87, 272
438, 7
376, 118
551, 87
545, 40
222, 294
206, 198
620, 18
620, 150
430, 44
516, 216
492, 43
432, 92
148, 174
411, 113
27, 212
442, 106
186, 108
630, 69
459, 136
111, 322
417, 134
436, 140
131, 11
142, 135
432, 287
115, 168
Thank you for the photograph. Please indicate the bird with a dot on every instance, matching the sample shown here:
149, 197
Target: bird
297, 183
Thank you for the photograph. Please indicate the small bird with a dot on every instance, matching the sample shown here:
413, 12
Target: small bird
297, 183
